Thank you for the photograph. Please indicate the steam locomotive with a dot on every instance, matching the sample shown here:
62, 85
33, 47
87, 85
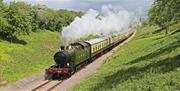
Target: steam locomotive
71, 58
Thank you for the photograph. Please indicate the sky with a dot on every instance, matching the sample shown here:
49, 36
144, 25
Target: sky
139, 7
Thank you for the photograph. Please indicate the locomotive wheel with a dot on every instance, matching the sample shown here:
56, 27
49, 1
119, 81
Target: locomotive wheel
48, 76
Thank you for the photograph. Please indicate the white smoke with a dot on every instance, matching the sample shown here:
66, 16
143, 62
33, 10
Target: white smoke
110, 19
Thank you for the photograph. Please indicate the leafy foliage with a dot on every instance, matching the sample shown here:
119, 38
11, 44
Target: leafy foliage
164, 13
19, 18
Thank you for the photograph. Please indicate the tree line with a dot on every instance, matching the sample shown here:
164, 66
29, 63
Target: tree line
19, 18
164, 13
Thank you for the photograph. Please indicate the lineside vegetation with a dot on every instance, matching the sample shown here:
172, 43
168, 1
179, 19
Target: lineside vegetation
19, 18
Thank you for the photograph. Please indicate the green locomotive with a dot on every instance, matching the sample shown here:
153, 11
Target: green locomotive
68, 60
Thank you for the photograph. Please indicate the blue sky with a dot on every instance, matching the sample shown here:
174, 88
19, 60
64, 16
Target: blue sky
139, 7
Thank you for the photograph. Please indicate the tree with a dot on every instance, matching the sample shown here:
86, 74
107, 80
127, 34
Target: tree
19, 19
4, 25
164, 13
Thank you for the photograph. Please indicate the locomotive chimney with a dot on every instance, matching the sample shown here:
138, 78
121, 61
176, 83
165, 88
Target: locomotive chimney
62, 47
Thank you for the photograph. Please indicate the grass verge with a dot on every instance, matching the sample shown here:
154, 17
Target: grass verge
19, 60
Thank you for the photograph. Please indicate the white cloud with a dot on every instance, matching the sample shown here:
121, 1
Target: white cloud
137, 6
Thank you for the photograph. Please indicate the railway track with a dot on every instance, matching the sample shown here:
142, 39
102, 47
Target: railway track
48, 85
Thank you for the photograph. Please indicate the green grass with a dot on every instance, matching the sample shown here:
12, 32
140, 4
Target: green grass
19, 60
89, 37
149, 62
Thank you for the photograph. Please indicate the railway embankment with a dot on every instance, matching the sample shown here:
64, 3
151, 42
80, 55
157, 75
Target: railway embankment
151, 61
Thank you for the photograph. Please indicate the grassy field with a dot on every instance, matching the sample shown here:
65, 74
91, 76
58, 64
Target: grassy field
149, 62
27, 55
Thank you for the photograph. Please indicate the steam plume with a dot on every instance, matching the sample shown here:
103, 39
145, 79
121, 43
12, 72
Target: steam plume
110, 19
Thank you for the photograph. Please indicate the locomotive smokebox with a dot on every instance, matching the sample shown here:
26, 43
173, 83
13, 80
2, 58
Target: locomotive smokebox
62, 57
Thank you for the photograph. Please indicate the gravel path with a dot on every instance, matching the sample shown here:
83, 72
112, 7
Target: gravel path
31, 82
